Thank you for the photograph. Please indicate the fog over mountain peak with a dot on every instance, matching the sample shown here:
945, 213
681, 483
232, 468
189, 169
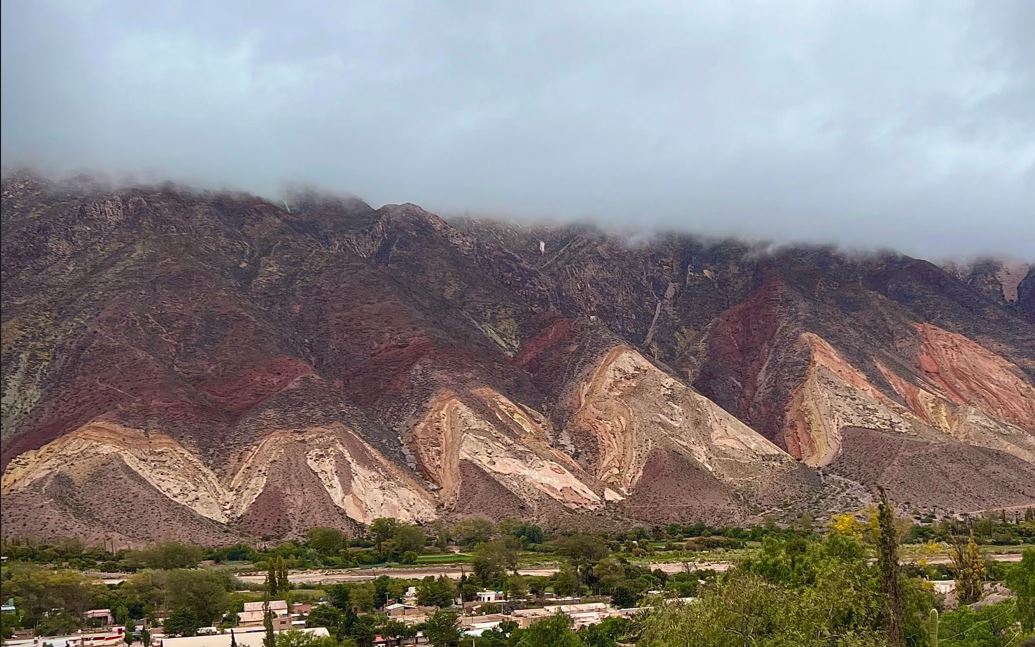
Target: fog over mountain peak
909, 126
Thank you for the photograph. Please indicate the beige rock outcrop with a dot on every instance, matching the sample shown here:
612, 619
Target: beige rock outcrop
627, 407
358, 479
505, 440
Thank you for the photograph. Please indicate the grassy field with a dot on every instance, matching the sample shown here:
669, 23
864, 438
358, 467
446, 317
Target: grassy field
444, 558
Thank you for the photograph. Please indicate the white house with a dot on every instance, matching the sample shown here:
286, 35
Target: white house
489, 596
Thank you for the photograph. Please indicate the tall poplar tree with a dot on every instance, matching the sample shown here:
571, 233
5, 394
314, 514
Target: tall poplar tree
890, 571
969, 565
270, 639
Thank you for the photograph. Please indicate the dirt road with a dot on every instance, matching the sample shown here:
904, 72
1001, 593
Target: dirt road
334, 576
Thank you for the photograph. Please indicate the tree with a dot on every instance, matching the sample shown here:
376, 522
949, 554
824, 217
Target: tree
1022, 582
363, 631
626, 595
233, 639
528, 533
169, 555
363, 597
466, 588
989, 626
145, 638
609, 573
269, 639
607, 633
57, 622
491, 561
565, 581
443, 628
554, 631
332, 618
969, 567
182, 622
324, 540
296, 638
846, 524
583, 551
121, 614
127, 636
271, 579
283, 583
382, 530
408, 538
475, 530
382, 590
515, 586
435, 592
442, 535
37, 590
891, 581
204, 592
340, 596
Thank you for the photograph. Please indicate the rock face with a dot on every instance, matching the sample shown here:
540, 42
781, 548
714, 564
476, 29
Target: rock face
1012, 283
215, 367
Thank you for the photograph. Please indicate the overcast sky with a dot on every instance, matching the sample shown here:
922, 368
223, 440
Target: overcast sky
902, 124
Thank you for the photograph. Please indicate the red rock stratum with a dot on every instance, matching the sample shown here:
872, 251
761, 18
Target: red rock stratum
217, 367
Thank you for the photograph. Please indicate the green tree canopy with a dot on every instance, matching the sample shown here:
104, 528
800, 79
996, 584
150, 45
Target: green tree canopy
324, 540
37, 590
206, 593
296, 638
408, 538
475, 530
491, 560
443, 628
168, 555
1021, 581
435, 592
382, 530
182, 622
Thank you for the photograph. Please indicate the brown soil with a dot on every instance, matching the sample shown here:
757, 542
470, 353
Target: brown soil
109, 502
949, 476
481, 495
673, 488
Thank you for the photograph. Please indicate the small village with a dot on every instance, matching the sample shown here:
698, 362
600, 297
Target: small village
490, 611
512, 584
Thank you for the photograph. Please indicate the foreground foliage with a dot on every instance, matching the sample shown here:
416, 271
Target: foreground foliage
842, 589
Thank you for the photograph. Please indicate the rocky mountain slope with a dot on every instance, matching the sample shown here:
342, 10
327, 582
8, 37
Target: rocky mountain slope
213, 366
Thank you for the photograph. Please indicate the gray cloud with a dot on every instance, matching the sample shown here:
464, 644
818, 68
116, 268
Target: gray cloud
901, 124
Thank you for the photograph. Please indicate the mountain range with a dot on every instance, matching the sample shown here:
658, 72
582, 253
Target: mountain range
217, 367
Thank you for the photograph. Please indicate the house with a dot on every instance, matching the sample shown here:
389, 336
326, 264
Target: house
489, 596
242, 638
252, 615
104, 615
408, 613
112, 638
398, 641
8, 607
589, 613
278, 607
477, 625
301, 609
